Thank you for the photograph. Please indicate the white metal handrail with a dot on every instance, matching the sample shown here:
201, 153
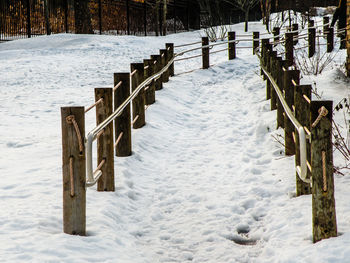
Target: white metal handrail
92, 177
302, 168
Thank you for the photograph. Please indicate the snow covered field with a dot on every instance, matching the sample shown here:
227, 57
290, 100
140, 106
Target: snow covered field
205, 176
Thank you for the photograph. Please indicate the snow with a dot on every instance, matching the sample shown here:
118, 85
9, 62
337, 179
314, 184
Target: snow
205, 176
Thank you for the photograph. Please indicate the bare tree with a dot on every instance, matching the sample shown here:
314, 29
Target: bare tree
245, 6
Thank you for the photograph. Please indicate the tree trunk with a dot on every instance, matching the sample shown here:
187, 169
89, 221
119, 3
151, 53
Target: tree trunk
157, 17
165, 10
246, 20
82, 17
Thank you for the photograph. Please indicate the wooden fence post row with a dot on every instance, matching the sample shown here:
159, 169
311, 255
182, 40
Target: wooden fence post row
73, 134
316, 117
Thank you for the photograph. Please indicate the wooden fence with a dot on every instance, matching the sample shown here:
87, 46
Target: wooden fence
138, 89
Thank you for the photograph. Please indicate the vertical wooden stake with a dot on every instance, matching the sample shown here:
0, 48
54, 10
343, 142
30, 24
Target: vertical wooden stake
325, 25
295, 28
74, 171
302, 114
289, 49
256, 36
122, 122
279, 72
330, 39
138, 103
205, 53
170, 48
312, 38
289, 98
276, 35
273, 74
157, 67
150, 93
164, 60
264, 43
105, 149
268, 68
324, 224
231, 46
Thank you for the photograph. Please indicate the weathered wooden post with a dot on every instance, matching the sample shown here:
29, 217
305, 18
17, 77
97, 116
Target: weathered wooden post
164, 61
268, 69
231, 45
273, 74
295, 28
312, 38
276, 35
123, 121
290, 76
289, 49
170, 48
73, 170
138, 103
105, 149
264, 43
279, 72
157, 67
325, 25
256, 36
330, 39
302, 99
205, 53
324, 224
150, 90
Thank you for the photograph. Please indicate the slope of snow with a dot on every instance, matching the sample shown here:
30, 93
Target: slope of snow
205, 176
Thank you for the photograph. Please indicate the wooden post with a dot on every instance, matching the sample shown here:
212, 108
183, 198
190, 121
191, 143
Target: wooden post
325, 25
289, 49
264, 43
276, 35
279, 72
231, 46
164, 60
256, 36
295, 28
138, 103
330, 39
312, 38
302, 114
273, 74
170, 48
324, 224
205, 53
268, 68
123, 121
289, 75
150, 93
157, 67
73, 170
105, 148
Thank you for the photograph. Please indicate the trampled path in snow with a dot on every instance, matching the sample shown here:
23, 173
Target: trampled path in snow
203, 170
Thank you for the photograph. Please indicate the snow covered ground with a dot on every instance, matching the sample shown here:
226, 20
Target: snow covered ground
205, 177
